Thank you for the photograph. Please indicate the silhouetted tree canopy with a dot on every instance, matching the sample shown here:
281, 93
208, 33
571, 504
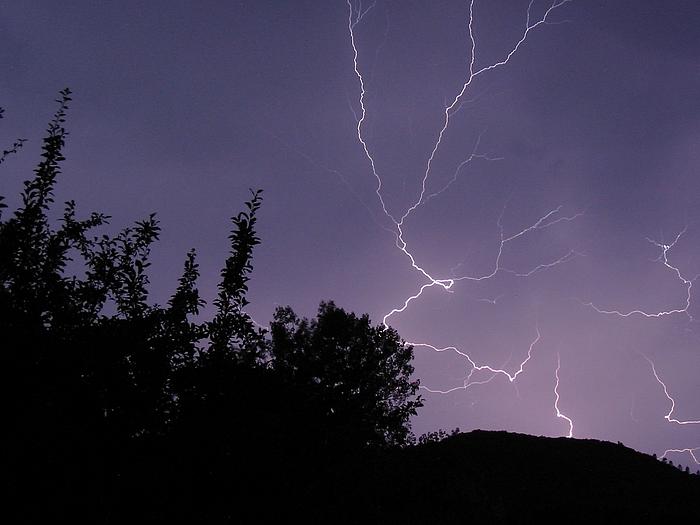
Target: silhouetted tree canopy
120, 409
362, 372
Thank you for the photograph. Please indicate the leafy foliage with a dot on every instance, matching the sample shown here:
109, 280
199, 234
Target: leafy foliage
119, 405
437, 436
232, 326
362, 372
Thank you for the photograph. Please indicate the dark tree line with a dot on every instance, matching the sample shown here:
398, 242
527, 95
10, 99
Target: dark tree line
120, 410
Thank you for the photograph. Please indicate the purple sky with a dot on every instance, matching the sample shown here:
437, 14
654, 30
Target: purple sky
180, 107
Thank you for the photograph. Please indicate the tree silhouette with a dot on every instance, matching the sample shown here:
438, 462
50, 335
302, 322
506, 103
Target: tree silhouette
122, 409
361, 372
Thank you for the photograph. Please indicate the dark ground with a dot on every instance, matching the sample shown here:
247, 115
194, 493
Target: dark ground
500, 477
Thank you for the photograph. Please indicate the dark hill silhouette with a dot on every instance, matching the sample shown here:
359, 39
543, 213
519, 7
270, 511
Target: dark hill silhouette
501, 477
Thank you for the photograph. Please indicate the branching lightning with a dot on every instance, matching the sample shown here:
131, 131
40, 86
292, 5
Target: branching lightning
354, 17
479, 368
668, 417
396, 224
473, 155
556, 400
448, 283
549, 219
690, 451
687, 283
470, 78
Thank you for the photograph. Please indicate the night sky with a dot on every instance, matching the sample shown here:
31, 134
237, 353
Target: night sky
587, 140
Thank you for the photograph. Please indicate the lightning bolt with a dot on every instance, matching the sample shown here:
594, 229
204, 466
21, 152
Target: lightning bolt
396, 222
556, 400
690, 451
468, 160
470, 78
474, 367
687, 283
542, 223
354, 17
547, 220
668, 417
353, 20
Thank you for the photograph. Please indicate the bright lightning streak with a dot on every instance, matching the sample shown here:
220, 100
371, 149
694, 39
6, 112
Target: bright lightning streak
473, 155
688, 283
447, 284
401, 244
556, 401
351, 27
472, 75
540, 224
549, 219
668, 417
544, 266
690, 451
480, 368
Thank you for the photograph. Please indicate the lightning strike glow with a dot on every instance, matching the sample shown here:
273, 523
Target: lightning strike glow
447, 284
556, 401
668, 417
688, 283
